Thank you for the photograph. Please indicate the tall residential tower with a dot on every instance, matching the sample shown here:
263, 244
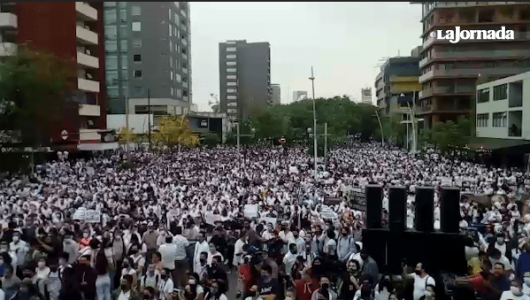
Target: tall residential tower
244, 77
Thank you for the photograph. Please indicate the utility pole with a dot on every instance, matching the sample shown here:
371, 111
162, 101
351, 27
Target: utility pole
312, 78
239, 135
149, 117
380, 127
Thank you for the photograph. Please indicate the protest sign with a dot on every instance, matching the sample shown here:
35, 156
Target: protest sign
356, 197
327, 213
446, 181
211, 218
250, 210
332, 201
87, 215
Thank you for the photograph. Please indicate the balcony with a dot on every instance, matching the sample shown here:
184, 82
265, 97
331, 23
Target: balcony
89, 135
185, 70
85, 36
446, 90
86, 12
470, 73
183, 12
88, 85
184, 42
185, 84
423, 62
426, 76
8, 20
8, 49
89, 110
481, 54
87, 60
185, 56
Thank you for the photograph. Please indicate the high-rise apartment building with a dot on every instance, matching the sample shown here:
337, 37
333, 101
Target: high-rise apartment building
148, 55
276, 94
71, 31
244, 77
450, 71
299, 95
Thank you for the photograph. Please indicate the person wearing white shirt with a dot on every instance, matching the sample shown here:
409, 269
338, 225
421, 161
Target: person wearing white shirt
238, 250
421, 280
165, 286
290, 258
200, 247
168, 251
181, 267
515, 292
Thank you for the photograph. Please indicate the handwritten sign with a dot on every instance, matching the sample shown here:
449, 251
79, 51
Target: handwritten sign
327, 213
447, 181
357, 198
88, 215
250, 210
210, 218
268, 220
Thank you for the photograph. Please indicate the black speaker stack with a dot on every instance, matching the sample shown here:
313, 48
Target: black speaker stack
439, 251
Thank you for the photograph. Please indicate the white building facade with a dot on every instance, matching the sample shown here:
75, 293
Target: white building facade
503, 108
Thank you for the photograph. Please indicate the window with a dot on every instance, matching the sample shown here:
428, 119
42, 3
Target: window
231, 76
170, 29
137, 73
137, 43
483, 95
112, 77
112, 62
231, 83
231, 97
109, 4
231, 70
123, 46
111, 46
123, 15
170, 63
172, 91
122, 4
136, 10
123, 32
231, 91
231, 49
231, 56
176, 18
112, 91
110, 16
185, 93
179, 93
110, 32
500, 92
136, 26
171, 75
179, 77
482, 120
499, 119
170, 46
137, 58
231, 63
124, 62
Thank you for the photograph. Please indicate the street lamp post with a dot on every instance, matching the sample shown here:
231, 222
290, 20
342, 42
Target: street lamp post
239, 135
413, 120
381, 128
325, 135
312, 78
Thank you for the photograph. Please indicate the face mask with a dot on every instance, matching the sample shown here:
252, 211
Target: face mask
191, 282
85, 235
41, 264
16, 239
123, 286
214, 290
164, 276
418, 272
203, 261
515, 290
500, 240
125, 264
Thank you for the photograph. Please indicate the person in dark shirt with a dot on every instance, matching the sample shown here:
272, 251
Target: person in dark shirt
8, 234
268, 286
216, 272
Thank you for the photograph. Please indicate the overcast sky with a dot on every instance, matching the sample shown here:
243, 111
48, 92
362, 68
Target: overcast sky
342, 41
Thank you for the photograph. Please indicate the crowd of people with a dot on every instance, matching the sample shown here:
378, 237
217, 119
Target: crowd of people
182, 225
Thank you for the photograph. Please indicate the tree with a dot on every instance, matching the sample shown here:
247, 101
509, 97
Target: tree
34, 89
124, 132
448, 136
173, 131
211, 140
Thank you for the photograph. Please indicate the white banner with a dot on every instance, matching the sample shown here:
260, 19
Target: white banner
88, 215
250, 210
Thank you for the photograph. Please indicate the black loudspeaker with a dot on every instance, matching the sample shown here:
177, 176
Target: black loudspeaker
375, 242
397, 208
450, 210
374, 206
424, 209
